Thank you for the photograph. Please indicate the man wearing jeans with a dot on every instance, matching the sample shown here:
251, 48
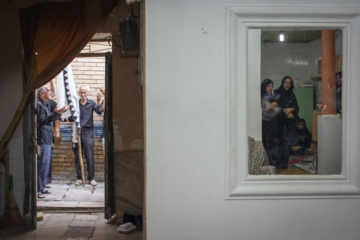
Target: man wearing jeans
45, 120
87, 107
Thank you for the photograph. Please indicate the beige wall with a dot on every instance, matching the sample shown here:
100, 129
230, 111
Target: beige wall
128, 125
127, 100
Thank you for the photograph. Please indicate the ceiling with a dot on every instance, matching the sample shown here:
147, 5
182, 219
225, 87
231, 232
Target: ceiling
292, 35
29, 3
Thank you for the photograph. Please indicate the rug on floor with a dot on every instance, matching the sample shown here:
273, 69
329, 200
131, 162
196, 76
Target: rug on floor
80, 231
306, 167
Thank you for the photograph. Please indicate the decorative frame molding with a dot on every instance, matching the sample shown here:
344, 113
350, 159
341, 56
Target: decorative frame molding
241, 185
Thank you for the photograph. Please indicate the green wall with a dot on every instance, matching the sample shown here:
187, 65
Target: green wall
305, 99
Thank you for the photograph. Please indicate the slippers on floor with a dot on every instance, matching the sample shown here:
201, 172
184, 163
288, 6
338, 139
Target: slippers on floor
45, 192
47, 186
40, 196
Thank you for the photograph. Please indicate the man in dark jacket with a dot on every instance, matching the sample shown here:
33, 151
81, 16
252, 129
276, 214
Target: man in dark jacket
45, 127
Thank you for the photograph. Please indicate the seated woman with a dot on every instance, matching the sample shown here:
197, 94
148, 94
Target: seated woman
270, 122
286, 99
301, 140
258, 163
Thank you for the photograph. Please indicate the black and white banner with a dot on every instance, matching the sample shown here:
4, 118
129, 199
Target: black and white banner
66, 94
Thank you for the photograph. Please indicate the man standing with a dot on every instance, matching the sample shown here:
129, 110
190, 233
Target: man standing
87, 107
52, 104
102, 90
45, 120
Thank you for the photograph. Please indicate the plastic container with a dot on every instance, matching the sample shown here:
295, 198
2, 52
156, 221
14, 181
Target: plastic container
126, 227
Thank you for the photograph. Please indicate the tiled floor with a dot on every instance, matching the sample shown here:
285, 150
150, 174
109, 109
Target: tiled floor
62, 210
57, 225
65, 195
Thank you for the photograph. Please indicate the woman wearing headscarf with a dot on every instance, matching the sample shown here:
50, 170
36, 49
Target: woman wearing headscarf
338, 81
301, 139
270, 122
286, 99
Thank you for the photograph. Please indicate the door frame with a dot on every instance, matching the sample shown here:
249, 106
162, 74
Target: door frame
110, 207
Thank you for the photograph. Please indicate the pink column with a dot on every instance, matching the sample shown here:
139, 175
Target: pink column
328, 72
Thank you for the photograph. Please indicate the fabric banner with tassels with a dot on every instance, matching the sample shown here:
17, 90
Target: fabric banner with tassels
66, 94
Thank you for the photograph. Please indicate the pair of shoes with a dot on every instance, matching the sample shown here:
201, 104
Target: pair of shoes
93, 183
78, 182
48, 180
45, 192
129, 218
39, 195
47, 186
139, 223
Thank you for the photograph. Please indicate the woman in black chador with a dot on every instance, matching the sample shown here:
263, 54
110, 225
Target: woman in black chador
286, 99
338, 81
301, 139
270, 122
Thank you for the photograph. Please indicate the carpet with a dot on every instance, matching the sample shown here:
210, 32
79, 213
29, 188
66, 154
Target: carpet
304, 162
80, 231
306, 167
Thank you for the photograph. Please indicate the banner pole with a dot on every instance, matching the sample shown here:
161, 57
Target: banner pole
81, 159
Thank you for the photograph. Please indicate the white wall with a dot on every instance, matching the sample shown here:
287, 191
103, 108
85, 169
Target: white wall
285, 59
253, 86
298, 60
185, 139
11, 89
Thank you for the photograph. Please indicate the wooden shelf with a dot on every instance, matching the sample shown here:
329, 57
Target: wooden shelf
316, 77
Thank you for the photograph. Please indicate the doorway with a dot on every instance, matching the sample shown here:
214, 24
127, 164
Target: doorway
92, 68
128, 133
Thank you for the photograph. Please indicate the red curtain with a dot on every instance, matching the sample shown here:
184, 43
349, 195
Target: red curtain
53, 34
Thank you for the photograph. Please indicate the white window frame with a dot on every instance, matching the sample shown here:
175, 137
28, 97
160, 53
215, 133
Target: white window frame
241, 185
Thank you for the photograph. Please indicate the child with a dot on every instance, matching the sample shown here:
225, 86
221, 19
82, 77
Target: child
301, 139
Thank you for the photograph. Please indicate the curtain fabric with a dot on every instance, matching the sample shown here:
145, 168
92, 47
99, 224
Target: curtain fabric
52, 35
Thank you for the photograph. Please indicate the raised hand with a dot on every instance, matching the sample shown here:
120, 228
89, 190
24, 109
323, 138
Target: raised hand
63, 109
98, 97
102, 90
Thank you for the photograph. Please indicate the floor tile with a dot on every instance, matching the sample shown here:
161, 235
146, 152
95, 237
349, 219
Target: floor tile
91, 205
61, 217
78, 195
56, 225
82, 223
98, 196
85, 217
65, 204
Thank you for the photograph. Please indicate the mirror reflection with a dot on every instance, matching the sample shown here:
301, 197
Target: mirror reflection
297, 137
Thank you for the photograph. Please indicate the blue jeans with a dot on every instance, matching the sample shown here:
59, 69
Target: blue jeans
43, 163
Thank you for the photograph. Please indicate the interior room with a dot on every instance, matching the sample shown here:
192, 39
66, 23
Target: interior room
297, 53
